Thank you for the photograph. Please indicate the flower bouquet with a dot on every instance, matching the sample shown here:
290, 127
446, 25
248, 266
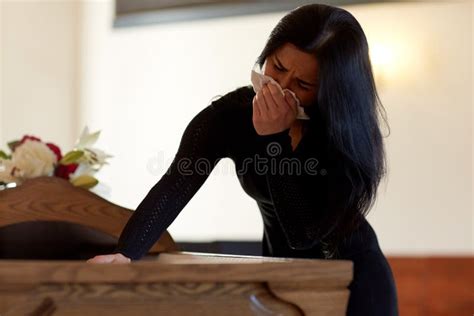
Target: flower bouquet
30, 157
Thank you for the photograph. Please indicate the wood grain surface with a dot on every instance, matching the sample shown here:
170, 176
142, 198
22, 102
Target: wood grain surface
165, 282
177, 284
55, 199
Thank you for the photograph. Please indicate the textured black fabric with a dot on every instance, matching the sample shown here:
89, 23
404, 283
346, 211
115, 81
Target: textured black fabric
292, 190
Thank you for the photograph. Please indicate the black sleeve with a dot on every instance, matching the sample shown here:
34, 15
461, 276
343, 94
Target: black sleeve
306, 209
202, 145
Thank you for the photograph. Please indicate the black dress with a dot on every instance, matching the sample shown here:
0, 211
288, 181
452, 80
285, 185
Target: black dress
291, 188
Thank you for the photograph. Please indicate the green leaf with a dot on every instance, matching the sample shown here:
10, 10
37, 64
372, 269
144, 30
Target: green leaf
84, 181
3, 155
13, 144
71, 157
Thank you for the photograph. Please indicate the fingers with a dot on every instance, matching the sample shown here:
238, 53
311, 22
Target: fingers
261, 102
120, 261
255, 107
290, 99
277, 95
101, 259
276, 99
119, 258
269, 102
267, 95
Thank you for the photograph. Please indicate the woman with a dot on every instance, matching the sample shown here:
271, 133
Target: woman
316, 208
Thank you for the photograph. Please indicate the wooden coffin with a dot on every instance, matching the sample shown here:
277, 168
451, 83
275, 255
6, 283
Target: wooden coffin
165, 282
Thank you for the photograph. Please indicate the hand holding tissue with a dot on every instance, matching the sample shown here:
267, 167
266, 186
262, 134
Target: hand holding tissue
259, 80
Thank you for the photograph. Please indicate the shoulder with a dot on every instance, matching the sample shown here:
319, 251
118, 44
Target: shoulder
229, 112
226, 119
228, 104
234, 100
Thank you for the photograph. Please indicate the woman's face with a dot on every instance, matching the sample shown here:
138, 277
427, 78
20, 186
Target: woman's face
295, 70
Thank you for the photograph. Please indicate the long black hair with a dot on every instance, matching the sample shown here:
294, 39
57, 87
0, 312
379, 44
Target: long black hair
347, 104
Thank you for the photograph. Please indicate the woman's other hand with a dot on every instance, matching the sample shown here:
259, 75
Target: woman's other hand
112, 258
273, 112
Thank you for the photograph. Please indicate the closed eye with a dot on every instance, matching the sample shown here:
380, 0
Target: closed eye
281, 69
278, 68
303, 87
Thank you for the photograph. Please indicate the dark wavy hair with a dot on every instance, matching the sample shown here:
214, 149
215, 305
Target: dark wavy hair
347, 105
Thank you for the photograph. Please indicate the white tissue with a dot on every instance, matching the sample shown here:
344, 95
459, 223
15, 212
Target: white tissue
259, 79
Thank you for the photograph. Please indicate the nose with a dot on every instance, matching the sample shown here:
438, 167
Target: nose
284, 80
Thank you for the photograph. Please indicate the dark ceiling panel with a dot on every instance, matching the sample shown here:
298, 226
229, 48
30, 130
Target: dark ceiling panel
143, 12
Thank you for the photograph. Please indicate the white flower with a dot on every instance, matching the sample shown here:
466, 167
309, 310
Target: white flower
32, 159
86, 139
93, 157
6, 167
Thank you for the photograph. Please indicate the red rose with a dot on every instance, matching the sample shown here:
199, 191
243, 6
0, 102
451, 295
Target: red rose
64, 171
55, 149
28, 137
